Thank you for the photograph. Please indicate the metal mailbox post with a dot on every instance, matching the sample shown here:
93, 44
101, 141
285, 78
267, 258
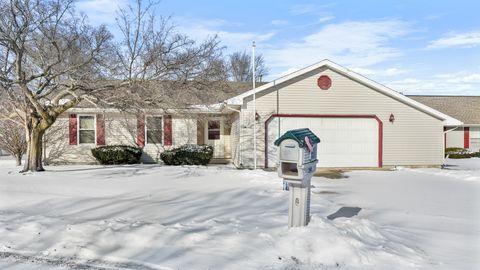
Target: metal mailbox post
297, 162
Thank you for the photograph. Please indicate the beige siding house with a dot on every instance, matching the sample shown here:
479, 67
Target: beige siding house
360, 124
463, 108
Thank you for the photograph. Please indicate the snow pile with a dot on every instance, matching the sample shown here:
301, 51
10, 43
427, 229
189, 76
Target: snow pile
345, 242
324, 243
193, 217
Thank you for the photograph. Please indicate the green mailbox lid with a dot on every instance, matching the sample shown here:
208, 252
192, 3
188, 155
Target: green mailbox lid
299, 136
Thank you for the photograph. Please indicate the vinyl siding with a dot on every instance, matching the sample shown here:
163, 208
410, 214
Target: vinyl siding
415, 138
455, 138
235, 139
119, 129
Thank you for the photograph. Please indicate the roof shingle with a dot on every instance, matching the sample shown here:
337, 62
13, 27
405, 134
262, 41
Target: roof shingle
463, 108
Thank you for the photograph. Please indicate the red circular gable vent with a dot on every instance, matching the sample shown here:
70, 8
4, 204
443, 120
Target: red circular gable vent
324, 82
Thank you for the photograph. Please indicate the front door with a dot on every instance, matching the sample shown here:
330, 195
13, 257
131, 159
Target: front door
214, 136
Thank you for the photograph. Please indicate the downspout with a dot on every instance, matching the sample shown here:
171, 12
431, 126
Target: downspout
239, 134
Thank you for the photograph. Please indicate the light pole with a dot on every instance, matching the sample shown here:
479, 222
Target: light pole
254, 110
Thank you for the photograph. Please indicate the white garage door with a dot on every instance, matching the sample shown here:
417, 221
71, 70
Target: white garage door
345, 142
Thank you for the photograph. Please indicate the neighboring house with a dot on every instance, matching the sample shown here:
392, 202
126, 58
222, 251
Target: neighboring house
360, 123
463, 108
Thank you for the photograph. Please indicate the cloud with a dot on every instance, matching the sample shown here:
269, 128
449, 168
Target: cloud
460, 83
101, 11
389, 72
358, 44
462, 40
279, 22
325, 19
314, 9
302, 9
233, 40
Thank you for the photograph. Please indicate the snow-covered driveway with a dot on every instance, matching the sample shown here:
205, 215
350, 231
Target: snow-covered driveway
151, 217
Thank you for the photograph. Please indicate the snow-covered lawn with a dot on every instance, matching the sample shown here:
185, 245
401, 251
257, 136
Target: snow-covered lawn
151, 217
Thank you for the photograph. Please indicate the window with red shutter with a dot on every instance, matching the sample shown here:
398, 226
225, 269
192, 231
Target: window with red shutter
72, 129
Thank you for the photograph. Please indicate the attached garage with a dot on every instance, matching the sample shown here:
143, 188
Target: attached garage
360, 123
347, 141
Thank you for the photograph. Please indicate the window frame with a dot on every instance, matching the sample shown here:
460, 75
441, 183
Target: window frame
162, 117
219, 129
94, 129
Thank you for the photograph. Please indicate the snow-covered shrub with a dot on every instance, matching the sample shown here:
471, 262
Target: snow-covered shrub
188, 154
117, 154
457, 152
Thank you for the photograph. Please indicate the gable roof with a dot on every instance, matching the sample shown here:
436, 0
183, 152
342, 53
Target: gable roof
447, 120
463, 108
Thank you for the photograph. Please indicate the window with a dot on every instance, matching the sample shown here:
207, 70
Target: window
213, 129
154, 129
86, 130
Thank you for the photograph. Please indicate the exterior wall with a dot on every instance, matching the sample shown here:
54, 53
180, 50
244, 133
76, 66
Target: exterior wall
57, 149
475, 138
235, 140
227, 138
415, 138
119, 129
455, 138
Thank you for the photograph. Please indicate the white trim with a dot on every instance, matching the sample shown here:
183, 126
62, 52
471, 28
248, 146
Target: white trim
470, 125
447, 120
163, 128
95, 129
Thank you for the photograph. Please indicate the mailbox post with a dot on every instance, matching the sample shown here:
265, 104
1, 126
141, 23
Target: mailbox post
297, 162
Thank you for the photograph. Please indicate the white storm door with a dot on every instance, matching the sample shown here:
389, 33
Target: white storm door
214, 136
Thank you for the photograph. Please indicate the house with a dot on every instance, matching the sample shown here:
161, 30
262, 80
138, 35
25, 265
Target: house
361, 123
463, 108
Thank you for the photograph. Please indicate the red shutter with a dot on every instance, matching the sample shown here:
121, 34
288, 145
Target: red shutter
466, 137
141, 130
167, 130
72, 129
100, 129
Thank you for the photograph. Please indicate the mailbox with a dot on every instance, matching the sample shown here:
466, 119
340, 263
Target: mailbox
297, 155
297, 162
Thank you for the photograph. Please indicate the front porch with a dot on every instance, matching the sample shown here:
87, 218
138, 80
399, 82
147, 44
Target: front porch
216, 130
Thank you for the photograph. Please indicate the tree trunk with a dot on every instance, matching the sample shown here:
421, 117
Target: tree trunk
18, 159
33, 162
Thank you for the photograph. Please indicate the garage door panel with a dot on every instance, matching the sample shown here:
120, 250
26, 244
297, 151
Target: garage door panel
345, 142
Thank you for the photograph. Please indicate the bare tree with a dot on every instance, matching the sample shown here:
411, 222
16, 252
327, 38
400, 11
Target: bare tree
53, 59
166, 69
12, 127
240, 67
12, 139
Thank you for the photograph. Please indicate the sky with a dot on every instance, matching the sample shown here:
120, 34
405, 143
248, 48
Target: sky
415, 47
